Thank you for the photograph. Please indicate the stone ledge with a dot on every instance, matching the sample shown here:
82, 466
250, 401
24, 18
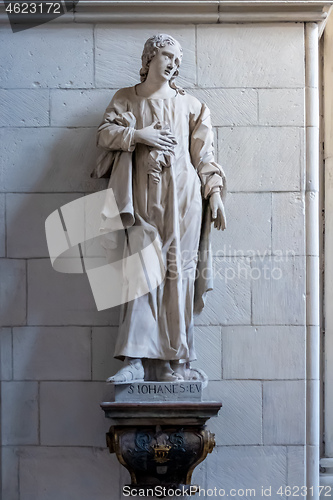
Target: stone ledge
157, 412
192, 11
272, 10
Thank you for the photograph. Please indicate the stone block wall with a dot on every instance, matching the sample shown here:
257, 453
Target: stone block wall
56, 349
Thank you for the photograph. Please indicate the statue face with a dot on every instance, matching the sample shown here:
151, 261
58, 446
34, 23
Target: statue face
165, 63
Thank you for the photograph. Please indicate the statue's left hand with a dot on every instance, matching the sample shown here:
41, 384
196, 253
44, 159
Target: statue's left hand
218, 212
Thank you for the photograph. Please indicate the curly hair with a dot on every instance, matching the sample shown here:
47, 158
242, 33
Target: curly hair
150, 49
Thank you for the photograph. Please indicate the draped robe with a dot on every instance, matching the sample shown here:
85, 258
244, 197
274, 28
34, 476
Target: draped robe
166, 194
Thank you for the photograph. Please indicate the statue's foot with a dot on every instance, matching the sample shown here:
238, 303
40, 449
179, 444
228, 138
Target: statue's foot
134, 371
164, 373
196, 374
171, 377
178, 368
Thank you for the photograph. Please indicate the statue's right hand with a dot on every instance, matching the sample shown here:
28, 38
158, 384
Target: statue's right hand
155, 137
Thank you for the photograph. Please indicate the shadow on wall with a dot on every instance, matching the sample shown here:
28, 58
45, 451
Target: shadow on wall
62, 346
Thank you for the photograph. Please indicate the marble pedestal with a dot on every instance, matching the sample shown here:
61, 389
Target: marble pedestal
158, 433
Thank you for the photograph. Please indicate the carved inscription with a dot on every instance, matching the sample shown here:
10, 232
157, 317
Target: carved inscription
192, 387
157, 391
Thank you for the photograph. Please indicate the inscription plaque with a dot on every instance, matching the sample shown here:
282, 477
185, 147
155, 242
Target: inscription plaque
156, 391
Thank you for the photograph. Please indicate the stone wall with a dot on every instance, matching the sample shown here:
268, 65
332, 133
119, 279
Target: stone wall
56, 349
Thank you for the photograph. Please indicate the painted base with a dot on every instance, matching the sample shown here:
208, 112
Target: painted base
160, 443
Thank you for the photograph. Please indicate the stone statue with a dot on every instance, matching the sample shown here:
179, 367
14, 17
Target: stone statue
165, 138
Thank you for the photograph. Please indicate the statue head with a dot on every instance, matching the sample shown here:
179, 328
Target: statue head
151, 48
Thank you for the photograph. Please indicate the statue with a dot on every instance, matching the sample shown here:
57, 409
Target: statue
176, 191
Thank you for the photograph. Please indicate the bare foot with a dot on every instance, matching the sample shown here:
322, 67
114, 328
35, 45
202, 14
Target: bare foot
133, 371
178, 368
164, 372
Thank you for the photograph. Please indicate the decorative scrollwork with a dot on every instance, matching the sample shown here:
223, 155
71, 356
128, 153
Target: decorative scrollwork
142, 441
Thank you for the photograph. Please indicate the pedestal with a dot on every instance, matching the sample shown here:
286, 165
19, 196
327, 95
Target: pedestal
160, 441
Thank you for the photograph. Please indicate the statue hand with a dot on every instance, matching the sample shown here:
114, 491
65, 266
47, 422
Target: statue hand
218, 212
155, 137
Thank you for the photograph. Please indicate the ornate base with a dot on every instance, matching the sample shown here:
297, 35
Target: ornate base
160, 455
160, 443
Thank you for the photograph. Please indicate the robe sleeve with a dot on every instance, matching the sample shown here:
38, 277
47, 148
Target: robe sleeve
116, 132
202, 153
115, 135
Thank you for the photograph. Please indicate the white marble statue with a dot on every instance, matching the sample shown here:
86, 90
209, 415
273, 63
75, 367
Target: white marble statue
164, 136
